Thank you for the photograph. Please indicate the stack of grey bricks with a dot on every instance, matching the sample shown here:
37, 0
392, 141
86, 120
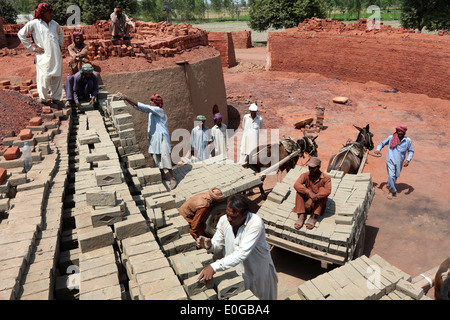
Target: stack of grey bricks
120, 122
337, 230
198, 177
361, 279
30, 233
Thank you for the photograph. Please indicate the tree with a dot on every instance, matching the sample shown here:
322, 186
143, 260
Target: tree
153, 10
430, 14
9, 12
278, 14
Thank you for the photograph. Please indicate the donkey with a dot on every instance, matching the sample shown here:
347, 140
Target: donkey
350, 156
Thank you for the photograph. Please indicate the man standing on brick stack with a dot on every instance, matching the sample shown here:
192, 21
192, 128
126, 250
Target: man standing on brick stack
157, 133
121, 25
313, 189
242, 236
196, 209
48, 38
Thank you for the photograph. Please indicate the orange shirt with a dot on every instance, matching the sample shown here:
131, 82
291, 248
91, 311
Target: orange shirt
321, 187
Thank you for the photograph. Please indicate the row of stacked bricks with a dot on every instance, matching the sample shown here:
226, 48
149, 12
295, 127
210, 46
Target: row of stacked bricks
26, 87
143, 252
339, 227
361, 279
31, 218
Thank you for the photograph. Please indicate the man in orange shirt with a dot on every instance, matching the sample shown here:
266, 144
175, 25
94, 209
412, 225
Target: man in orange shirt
313, 189
196, 209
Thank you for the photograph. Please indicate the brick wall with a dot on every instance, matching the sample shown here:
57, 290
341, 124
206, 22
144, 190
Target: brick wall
242, 39
2, 35
223, 42
409, 62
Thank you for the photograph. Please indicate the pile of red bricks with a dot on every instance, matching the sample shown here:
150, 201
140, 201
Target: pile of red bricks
26, 87
2, 34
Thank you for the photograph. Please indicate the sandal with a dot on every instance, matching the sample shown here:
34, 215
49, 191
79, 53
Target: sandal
311, 222
172, 184
301, 220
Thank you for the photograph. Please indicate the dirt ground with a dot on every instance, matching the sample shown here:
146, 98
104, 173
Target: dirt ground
411, 232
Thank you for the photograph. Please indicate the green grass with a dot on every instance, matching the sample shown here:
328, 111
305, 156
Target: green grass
354, 16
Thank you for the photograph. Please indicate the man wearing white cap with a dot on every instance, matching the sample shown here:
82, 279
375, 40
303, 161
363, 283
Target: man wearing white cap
251, 125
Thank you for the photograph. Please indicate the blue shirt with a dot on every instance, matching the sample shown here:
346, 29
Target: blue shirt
157, 127
396, 156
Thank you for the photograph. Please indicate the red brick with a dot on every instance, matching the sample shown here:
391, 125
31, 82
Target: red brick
45, 109
2, 175
5, 82
25, 134
12, 153
36, 121
17, 88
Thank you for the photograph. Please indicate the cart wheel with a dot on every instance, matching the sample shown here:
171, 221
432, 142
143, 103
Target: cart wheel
213, 217
359, 250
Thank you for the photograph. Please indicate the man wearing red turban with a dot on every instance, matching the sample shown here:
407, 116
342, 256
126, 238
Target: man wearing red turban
48, 38
399, 145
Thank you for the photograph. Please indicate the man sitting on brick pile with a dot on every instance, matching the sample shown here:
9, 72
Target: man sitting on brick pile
78, 52
82, 86
196, 209
242, 236
313, 189
120, 24
157, 133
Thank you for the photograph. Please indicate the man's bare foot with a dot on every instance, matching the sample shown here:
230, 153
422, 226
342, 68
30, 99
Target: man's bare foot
299, 223
391, 195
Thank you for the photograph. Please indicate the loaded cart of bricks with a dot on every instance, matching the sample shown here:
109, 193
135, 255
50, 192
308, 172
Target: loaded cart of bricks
339, 233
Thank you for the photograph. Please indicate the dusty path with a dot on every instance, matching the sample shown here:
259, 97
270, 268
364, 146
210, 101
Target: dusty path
411, 232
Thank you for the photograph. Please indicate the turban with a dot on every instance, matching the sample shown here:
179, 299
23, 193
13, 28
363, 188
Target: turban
314, 162
201, 118
87, 68
157, 99
217, 116
253, 107
77, 34
216, 194
41, 9
395, 141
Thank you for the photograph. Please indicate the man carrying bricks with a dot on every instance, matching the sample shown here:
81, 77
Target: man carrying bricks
157, 133
196, 209
82, 85
313, 189
48, 38
243, 236
120, 24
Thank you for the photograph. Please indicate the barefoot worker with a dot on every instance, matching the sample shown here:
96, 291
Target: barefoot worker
399, 144
157, 133
313, 189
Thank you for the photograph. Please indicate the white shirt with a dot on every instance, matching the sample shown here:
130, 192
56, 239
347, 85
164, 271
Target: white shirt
199, 141
49, 37
250, 137
249, 253
220, 139
157, 127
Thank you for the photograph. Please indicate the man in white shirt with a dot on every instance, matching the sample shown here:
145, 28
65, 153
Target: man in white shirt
242, 235
48, 38
201, 139
251, 125
158, 133
220, 136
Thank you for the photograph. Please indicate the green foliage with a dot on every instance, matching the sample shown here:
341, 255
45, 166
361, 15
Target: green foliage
278, 14
9, 11
91, 10
430, 14
152, 10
